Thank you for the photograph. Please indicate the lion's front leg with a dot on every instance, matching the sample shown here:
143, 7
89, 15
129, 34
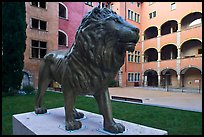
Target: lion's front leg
71, 123
104, 103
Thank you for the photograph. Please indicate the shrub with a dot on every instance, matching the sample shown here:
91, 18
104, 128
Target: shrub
28, 89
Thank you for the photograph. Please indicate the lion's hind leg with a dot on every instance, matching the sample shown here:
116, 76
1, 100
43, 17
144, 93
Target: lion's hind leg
43, 82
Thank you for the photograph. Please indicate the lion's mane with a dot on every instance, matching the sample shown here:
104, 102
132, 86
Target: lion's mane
92, 58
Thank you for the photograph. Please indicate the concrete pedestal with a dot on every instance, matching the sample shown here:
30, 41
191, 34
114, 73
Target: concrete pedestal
53, 123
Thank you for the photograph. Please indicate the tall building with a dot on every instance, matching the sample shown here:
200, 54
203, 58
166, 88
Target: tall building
169, 51
42, 35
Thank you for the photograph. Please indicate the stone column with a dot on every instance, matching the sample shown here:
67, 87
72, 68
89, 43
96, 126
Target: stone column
179, 26
142, 36
171, 29
179, 53
120, 77
143, 58
159, 80
179, 79
159, 56
159, 32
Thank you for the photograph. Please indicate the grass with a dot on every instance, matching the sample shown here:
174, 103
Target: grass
176, 122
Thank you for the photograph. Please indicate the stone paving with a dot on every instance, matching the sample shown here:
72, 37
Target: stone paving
178, 100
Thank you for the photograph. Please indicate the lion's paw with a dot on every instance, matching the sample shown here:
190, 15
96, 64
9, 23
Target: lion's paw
73, 125
115, 128
40, 110
77, 115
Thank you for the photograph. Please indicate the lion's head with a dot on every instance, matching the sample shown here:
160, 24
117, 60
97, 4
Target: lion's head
103, 37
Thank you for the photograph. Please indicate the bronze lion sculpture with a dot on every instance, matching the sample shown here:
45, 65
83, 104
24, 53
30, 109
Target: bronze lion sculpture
94, 59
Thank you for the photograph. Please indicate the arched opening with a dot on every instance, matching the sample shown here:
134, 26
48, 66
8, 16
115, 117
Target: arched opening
151, 78
150, 32
169, 78
62, 38
150, 54
191, 20
63, 11
191, 77
169, 27
169, 52
191, 48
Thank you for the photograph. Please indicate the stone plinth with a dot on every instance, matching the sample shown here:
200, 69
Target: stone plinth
53, 123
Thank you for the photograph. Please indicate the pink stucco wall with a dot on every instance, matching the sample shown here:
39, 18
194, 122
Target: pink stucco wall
76, 11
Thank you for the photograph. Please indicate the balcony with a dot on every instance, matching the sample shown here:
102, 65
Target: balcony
191, 61
150, 65
193, 32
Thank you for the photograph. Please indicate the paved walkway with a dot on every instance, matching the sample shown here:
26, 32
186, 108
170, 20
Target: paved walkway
178, 100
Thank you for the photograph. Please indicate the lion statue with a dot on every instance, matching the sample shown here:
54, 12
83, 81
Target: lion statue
94, 59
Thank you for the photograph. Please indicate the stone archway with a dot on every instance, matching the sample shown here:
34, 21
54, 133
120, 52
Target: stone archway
191, 78
151, 78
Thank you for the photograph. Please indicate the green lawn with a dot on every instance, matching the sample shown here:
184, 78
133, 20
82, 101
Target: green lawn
176, 122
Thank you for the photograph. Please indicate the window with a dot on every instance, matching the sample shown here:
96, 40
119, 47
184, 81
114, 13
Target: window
135, 17
173, 6
111, 6
62, 39
42, 5
128, 14
134, 56
103, 5
34, 4
199, 51
63, 13
138, 4
38, 24
150, 3
138, 18
39, 4
38, 49
88, 3
137, 57
133, 76
131, 15
130, 56
152, 14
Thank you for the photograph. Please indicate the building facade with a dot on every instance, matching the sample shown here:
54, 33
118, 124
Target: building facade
168, 53
42, 35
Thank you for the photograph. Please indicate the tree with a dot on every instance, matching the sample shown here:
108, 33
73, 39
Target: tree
13, 45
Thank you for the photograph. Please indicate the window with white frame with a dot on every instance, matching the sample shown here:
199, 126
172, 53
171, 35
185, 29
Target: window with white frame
38, 24
63, 11
133, 16
89, 3
62, 38
152, 14
129, 14
38, 49
138, 18
39, 4
138, 4
133, 76
134, 56
173, 6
